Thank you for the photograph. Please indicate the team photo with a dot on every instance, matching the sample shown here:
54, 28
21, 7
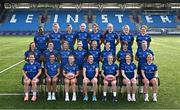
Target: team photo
89, 55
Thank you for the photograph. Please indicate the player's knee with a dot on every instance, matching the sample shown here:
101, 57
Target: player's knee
94, 81
54, 81
105, 83
128, 83
133, 82
85, 81
146, 82
48, 80
26, 82
34, 82
113, 83
66, 81
73, 81
154, 82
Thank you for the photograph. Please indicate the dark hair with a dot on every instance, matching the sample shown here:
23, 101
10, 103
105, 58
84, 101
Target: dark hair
49, 42
95, 24
128, 54
106, 32
30, 45
68, 26
125, 43
31, 53
52, 54
89, 55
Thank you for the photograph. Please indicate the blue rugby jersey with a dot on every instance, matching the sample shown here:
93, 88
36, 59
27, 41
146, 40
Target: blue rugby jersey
41, 42
90, 69
110, 69
141, 38
149, 70
127, 38
52, 68
129, 70
56, 39
31, 69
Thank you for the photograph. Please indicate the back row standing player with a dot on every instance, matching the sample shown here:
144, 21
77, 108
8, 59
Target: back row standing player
58, 38
142, 37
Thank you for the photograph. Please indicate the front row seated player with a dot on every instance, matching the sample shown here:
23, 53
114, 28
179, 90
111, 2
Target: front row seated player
149, 74
52, 71
31, 73
110, 72
90, 73
70, 72
128, 71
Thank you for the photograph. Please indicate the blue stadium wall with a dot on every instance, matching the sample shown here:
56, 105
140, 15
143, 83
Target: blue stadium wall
27, 21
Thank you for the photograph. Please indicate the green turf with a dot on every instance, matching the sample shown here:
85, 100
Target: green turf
167, 55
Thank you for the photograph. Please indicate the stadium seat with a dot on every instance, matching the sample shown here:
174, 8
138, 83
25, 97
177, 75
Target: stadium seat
28, 20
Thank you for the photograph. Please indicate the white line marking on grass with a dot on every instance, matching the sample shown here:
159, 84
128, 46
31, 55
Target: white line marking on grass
11, 94
11, 66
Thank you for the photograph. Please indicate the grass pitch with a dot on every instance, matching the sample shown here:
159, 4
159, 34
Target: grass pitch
167, 57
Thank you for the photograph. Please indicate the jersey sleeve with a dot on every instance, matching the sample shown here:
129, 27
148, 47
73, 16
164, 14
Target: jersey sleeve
25, 67
116, 36
120, 37
137, 38
26, 54
49, 36
88, 36
76, 35
113, 53
116, 66
156, 68
132, 39
84, 66
35, 40
38, 65
96, 65
39, 54
101, 35
63, 36
149, 38
65, 68
77, 68
137, 54
143, 67
118, 55
46, 65
103, 67
122, 67
56, 53
59, 65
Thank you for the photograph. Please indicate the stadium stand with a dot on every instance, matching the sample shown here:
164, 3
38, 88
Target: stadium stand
26, 21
